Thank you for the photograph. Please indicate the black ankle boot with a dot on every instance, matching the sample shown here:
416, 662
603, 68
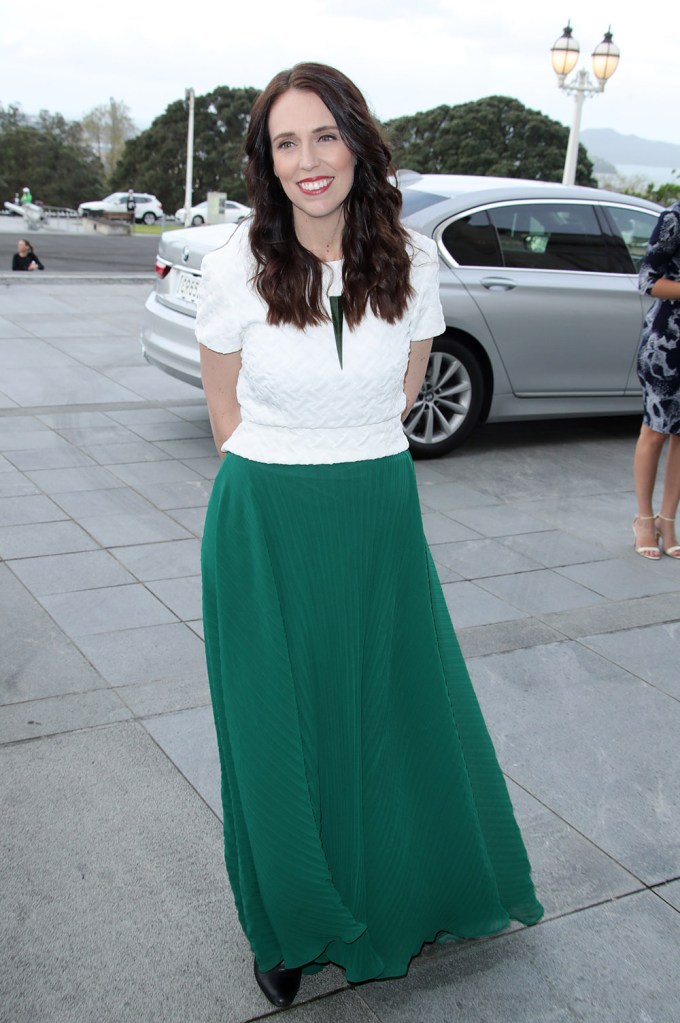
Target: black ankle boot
279, 984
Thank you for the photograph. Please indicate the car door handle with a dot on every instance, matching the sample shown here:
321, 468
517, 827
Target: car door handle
498, 283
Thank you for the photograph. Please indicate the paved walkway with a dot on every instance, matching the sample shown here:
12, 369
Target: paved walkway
115, 905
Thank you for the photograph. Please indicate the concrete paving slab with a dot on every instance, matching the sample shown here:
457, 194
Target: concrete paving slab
124, 530
341, 1007
130, 656
63, 573
183, 449
443, 497
83, 504
554, 548
569, 871
469, 605
192, 519
64, 325
130, 417
108, 929
180, 429
31, 439
43, 538
146, 382
88, 612
104, 433
619, 579
163, 696
499, 637
498, 520
670, 893
38, 660
15, 511
14, 483
182, 596
64, 386
613, 617
21, 424
188, 739
128, 451
8, 329
6, 402
171, 560
541, 591
475, 559
652, 654
182, 494
32, 352
442, 529
618, 965
63, 481
592, 742
68, 712
137, 474
67, 419
207, 466
57, 456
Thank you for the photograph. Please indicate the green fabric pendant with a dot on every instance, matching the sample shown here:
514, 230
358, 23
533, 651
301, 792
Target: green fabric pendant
336, 315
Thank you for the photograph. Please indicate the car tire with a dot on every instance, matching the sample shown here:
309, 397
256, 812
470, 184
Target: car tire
149, 218
197, 220
450, 401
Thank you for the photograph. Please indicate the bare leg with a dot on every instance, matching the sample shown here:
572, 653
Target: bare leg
645, 465
671, 494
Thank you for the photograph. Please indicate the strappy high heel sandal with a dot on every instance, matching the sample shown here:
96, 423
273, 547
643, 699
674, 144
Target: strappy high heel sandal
674, 551
651, 553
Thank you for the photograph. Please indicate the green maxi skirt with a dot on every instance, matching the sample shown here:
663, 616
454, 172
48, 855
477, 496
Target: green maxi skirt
364, 809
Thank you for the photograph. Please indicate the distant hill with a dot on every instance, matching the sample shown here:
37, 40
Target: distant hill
629, 149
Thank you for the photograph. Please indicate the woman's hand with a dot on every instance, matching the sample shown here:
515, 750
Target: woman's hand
415, 374
220, 375
33, 266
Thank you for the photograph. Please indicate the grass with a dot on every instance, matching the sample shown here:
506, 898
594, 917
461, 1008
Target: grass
155, 228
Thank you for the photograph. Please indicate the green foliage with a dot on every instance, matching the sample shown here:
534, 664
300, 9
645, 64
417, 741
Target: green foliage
497, 136
155, 161
49, 156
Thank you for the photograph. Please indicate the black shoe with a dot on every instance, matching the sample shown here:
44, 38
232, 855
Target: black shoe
279, 984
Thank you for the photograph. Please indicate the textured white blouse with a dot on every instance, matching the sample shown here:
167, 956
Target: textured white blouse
298, 404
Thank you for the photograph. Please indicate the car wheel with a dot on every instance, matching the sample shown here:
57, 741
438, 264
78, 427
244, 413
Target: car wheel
450, 400
149, 218
197, 220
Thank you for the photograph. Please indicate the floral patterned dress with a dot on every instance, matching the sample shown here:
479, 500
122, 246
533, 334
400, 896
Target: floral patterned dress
658, 363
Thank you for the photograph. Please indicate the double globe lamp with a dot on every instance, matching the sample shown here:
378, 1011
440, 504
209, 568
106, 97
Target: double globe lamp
564, 55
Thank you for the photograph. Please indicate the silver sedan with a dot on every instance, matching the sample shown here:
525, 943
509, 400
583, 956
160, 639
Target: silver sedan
540, 297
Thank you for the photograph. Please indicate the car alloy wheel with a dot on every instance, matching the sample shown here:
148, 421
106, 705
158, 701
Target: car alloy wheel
450, 400
197, 220
149, 218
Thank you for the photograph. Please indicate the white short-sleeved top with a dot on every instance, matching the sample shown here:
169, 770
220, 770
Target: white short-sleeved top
298, 404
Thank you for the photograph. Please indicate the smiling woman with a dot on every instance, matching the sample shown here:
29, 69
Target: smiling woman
340, 696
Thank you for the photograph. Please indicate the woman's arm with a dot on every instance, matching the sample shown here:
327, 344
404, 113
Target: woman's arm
666, 288
415, 374
220, 374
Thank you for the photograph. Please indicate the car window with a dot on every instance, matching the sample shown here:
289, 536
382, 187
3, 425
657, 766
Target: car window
550, 236
121, 200
414, 200
142, 198
635, 227
472, 241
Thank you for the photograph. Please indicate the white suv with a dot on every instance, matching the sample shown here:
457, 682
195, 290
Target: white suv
147, 207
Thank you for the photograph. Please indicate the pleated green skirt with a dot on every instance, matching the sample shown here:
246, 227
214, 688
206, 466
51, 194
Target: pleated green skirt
364, 809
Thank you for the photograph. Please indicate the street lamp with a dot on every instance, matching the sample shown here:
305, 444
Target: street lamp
188, 183
564, 55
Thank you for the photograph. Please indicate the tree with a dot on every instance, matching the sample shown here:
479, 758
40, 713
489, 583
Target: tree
50, 156
106, 129
155, 161
493, 136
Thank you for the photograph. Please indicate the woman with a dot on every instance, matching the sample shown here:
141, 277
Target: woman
364, 809
25, 258
659, 373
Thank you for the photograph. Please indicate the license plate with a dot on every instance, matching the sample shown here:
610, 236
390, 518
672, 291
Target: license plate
187, 288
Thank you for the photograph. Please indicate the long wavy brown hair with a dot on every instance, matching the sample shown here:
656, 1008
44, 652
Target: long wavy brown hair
376, 266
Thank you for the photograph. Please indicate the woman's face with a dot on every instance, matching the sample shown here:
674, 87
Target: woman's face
313, 164
22, 248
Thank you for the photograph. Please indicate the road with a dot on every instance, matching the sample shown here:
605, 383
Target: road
78, 253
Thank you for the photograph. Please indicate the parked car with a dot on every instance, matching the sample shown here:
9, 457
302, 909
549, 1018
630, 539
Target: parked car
147, 207
540, 297
234, 213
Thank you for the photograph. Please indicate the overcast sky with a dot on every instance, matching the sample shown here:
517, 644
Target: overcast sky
405, 56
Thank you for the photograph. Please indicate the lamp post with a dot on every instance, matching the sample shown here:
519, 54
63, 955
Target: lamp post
564, 55
188, 184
